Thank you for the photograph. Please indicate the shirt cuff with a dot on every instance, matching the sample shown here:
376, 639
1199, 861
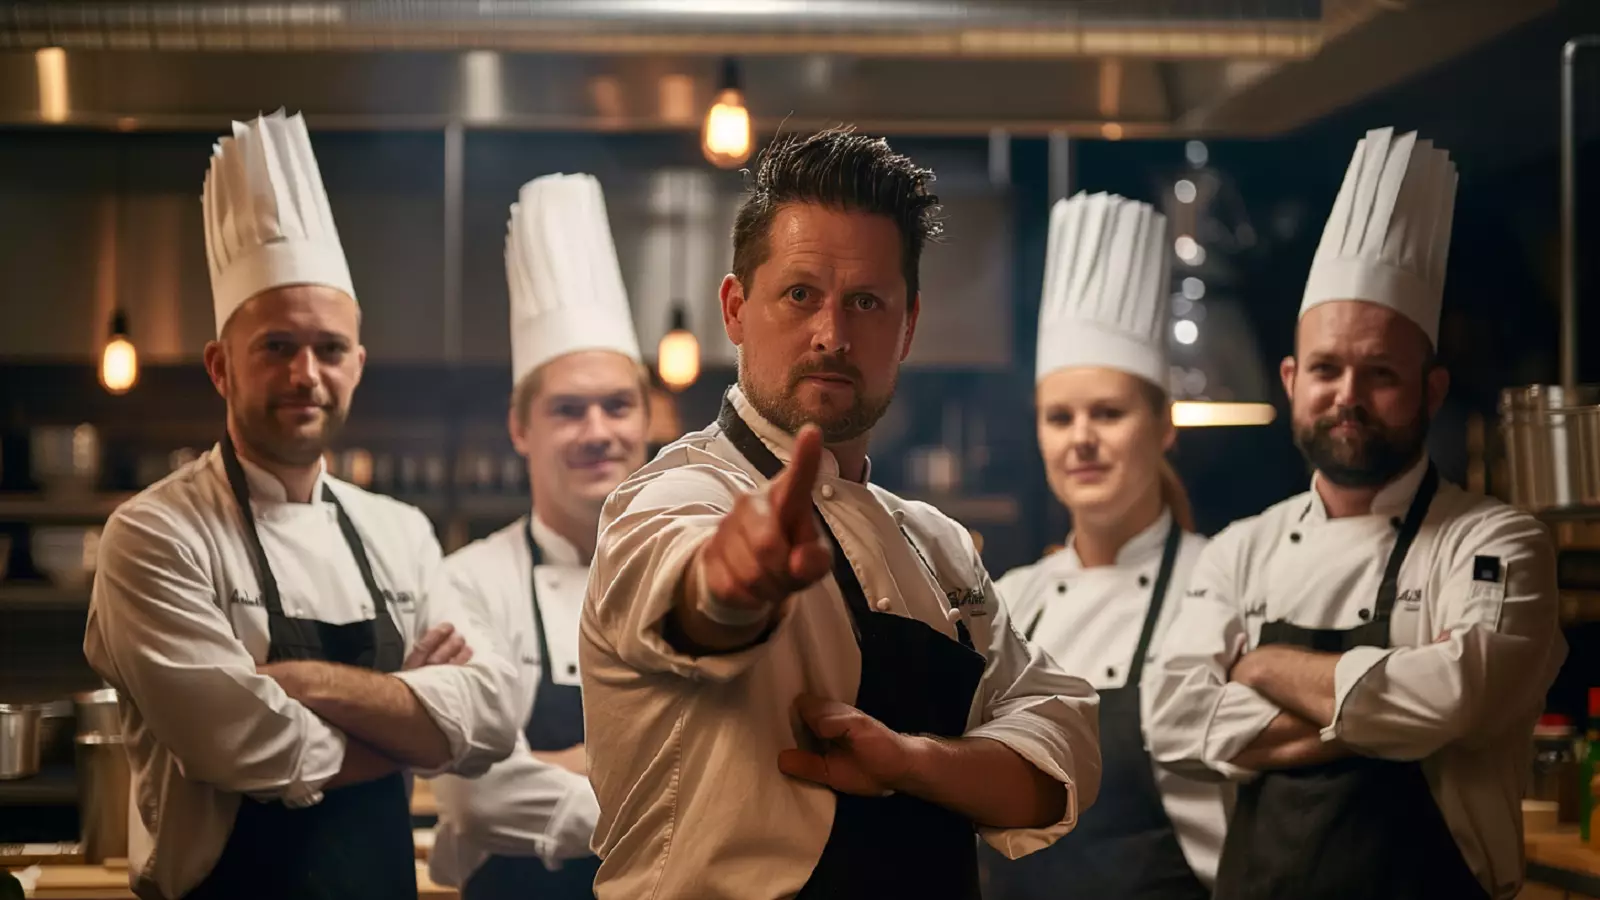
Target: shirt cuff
1239, 716
321, 758
1020, 738
1353, 665
441, 698
572, 825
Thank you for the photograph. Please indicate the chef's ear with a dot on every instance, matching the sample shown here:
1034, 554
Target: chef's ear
732, 296
216, 357
1286, 371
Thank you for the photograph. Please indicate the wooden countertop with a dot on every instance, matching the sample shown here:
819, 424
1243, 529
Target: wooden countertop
110, 882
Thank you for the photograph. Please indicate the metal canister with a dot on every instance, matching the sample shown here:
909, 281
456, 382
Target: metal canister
103, 786
97, 712
1552, 445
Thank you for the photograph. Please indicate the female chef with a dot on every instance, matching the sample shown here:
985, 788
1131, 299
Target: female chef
1099, 605
579, 416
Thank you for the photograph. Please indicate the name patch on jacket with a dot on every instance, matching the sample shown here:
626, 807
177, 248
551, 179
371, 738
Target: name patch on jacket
967, 597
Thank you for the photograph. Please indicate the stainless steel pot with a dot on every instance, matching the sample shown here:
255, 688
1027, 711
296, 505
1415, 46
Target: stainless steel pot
1552, 445
19, 741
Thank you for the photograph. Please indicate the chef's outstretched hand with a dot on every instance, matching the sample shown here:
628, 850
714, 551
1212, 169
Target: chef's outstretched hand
440, 646
769, 545
860, 754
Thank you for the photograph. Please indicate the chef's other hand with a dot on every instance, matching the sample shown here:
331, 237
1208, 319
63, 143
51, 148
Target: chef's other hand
440, 646
573, 759
769, 546
861, 755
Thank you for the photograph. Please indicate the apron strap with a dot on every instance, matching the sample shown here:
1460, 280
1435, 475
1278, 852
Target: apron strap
271, 599
538, 615
1389, 589
749, 444
1158, 595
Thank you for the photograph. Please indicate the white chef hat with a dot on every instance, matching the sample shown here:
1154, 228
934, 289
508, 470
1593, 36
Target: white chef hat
1388, 236
267, 219
561, 267
1105, 288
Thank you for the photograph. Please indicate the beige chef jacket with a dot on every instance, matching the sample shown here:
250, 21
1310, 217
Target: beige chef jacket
683, 750
176, 625
522, 806
1089, 621
1465, 706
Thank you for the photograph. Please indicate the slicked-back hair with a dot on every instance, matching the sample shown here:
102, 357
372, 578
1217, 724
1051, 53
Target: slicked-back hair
842, 170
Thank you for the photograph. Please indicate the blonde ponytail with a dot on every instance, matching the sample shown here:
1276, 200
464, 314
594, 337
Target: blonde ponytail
1176, 496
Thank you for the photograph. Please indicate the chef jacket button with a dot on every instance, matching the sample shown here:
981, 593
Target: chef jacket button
572, 669
953, 614
1111, 671
1144, 580
1061, 587
885, 604
827, 492
1294, 536
1365, 614
1395, 523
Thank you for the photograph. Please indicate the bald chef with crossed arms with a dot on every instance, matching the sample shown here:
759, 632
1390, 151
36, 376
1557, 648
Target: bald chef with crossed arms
273, 631
1369, 657
579, 415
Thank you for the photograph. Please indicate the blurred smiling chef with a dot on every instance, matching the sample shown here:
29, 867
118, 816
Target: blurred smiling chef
270, 628
1369, 656
795, 682
579, 416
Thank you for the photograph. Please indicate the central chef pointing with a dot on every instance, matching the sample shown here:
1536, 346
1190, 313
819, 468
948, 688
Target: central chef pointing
795, 682
275, 632
578, 414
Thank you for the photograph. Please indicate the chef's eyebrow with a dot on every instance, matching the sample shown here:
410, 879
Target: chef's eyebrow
298, 337
621, 393
796, 276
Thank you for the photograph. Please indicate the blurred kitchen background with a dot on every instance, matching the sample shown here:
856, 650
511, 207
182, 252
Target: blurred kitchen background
1237, 117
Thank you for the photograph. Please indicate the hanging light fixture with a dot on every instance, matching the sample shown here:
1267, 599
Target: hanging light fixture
119, 361
725, 137
678, 354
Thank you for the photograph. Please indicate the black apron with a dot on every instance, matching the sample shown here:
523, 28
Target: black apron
914, 680
556, 724
1355, 827
356, 844
1124, 847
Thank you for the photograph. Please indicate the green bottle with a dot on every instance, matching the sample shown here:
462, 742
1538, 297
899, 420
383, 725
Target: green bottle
1590, 767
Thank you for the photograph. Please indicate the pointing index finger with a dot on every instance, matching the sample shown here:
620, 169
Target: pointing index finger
792, 500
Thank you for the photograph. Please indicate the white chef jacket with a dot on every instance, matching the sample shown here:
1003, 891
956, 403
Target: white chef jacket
522, 806
1089, 621
177, 626
683, 750
1465, 706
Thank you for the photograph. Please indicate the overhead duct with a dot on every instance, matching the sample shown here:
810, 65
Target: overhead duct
1166, 29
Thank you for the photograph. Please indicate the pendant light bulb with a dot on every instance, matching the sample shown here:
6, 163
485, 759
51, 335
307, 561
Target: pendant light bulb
725, 137
119, 361
678, 354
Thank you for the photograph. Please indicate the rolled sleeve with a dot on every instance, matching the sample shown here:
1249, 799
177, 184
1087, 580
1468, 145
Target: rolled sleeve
1500, 650
1196, 720
1049, 718
472, 704
649, 535
155, 632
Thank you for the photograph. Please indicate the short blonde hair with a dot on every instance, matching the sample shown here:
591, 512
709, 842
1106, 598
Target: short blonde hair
527, 390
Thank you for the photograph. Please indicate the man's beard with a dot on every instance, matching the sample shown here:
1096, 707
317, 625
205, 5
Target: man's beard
261, 431
1376, 456
784, 410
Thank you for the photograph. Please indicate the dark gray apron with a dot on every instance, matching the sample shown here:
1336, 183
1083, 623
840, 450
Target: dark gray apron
356, 844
